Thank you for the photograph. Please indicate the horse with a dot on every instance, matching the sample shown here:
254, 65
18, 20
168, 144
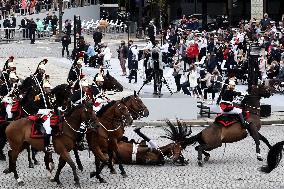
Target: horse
139, 153
19, 133
112, 118
60, 95
110, 83
213, 136
274, 157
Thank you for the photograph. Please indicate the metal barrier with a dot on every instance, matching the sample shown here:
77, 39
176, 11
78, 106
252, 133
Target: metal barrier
19, 34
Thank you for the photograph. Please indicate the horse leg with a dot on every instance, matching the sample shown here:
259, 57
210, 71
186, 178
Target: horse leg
264, 139
2, 145
255, 135
31, 165
78, 161
61, 164
66, 157
199, 148
13, 165
207, 155
110, 163
99, 168
115, 149
34, 152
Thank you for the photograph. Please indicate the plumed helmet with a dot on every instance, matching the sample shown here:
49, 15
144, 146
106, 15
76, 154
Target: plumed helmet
41, 66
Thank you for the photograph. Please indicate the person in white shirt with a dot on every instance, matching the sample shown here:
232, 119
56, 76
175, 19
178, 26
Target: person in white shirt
107, 55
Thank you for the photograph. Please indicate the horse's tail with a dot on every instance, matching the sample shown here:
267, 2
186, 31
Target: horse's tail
273, 158
191, 140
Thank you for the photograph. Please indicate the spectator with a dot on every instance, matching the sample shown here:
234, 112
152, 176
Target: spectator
66, 41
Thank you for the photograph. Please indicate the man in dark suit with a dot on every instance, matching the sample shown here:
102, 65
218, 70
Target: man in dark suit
97, 36
24, 23
32, 29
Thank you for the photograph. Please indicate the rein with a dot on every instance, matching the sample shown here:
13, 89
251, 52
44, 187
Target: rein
137, 112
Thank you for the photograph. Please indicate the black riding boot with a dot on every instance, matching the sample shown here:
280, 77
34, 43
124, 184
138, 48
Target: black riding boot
47, 145
138, 132
80, 138
245, 123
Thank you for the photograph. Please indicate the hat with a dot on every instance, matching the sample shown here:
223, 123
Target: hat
13, 75
99, 78
84, 82
41, 66
11, 65
46, 84
45, 60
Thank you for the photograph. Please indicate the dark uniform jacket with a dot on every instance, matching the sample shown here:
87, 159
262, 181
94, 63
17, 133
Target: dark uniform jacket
73, 75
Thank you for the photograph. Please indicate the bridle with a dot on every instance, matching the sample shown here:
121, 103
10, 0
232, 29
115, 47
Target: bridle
121, 122
137, 112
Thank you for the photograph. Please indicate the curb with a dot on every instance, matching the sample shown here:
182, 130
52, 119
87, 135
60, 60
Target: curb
196, 123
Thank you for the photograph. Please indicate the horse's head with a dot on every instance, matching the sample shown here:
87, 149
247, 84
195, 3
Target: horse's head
121, 112
261, 90
111, 84
62, 94
135, 106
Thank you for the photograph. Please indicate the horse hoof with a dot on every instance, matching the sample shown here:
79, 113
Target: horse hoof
124, 175
103, 180
92, 174
264, 169
31, 165
259, 158
21, 183
6, 171
206, 158
113, 172
200, 164
77, 185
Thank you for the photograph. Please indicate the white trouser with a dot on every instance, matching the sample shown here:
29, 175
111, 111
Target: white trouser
8, 111
153, 145
46, 124
233, 111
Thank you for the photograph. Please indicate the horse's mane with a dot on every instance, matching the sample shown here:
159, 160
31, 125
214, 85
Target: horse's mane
176, 133
71, 110
105, 108
26, 84
125, 99
59, 88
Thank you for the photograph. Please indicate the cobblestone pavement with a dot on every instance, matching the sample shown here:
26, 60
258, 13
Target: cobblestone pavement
231, 166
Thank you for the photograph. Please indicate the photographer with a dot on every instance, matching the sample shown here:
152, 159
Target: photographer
157, 66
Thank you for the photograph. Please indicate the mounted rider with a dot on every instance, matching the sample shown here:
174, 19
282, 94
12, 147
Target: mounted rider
39, 74
80, 96
8, 99
75, 72
227, 107
43, 106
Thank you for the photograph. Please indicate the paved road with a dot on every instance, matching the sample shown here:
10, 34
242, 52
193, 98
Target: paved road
233, 166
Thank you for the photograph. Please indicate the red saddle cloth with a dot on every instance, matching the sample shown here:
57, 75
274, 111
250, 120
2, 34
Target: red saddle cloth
38, 120
227, 120
15, 105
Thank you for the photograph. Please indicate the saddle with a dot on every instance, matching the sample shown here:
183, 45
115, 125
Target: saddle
37, 130
227, 120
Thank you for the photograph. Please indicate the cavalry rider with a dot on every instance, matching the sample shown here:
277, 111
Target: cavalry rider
227, 107
39, 74
10, 68
79, 97
75, 72
13, 92
43, 104
152, 144
6, 66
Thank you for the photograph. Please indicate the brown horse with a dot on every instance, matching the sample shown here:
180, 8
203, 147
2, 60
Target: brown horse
112, 118
134, 153
213, 136
18, 134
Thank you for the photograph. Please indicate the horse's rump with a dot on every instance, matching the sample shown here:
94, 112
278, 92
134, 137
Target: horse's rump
227, 120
